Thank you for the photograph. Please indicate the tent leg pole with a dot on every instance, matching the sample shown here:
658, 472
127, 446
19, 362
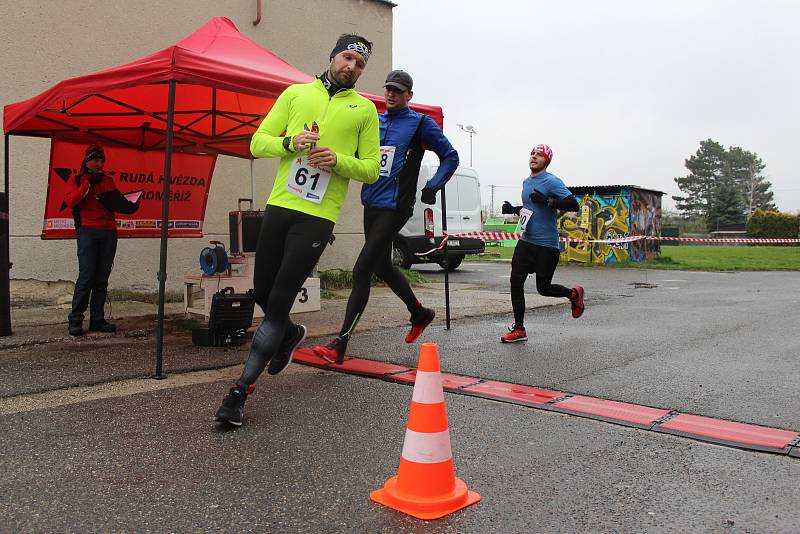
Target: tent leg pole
162, 266
5, 253
446, 265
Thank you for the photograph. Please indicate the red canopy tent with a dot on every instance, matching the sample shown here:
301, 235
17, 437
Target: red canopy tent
225, 84
205, 94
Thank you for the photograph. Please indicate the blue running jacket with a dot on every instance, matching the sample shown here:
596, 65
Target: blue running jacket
410, 133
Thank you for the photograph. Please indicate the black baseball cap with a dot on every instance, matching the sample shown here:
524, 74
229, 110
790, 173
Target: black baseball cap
399, 79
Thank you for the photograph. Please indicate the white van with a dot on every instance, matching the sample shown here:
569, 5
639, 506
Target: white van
423, 231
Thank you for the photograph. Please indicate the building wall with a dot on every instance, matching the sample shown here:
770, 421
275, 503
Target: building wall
44, 42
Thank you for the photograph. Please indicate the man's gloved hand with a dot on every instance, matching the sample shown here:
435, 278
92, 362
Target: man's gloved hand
95, 178
508, 209
428, 196
537, 197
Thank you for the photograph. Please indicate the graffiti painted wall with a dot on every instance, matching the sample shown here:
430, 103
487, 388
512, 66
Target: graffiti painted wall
645, 220
631, 212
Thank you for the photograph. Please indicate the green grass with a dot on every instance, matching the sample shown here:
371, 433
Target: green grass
725, 258
492, 253
340, 279
693, 258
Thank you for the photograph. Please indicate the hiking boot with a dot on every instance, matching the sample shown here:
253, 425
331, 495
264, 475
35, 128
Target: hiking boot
515, 335
233, 405
420, 318
102, 326
293, 336
76, 328
333, 352
576, 298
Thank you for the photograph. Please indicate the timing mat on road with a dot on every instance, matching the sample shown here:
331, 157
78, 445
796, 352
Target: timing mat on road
719, 431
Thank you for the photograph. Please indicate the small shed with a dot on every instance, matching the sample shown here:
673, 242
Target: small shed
610, 212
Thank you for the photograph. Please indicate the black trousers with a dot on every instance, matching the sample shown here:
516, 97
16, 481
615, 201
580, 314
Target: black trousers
533, 259
380, 228
290, 244
96, 251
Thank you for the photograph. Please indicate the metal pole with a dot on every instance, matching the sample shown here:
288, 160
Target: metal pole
162, 266
252, 184
446, 264
470, 149
5, 252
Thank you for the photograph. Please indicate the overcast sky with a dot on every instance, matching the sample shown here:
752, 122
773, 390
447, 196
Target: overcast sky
623, 91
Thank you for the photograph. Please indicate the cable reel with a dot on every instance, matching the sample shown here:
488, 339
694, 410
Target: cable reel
214, 260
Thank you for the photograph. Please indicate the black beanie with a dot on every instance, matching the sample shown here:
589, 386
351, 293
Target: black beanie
356, 43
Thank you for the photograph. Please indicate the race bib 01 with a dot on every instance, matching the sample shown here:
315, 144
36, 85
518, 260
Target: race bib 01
524, 217
387, 158
307, 182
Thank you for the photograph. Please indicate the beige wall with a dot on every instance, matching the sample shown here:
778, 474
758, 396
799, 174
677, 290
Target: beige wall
43, 42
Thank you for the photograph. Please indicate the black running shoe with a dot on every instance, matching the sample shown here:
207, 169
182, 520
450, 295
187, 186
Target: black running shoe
293, 336
233, 405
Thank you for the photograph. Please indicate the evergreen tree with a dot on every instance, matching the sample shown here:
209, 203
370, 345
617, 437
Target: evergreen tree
705, 168
714, 174
745, 169
727, 205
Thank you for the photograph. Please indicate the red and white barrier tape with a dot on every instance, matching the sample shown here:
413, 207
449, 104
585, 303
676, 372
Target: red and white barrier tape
512, 236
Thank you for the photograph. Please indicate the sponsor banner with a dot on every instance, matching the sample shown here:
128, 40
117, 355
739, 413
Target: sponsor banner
139, 175
511, 236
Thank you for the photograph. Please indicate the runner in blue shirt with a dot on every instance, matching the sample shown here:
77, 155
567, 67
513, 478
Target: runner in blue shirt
543, 194
389, 203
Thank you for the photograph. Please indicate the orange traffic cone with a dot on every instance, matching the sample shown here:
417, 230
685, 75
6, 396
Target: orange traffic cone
426, 485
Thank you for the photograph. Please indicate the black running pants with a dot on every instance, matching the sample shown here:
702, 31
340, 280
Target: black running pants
533, 259
380, 228
290, 244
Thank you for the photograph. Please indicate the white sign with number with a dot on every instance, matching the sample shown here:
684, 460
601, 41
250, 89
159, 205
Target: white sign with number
387, 158
524, 217
307, 182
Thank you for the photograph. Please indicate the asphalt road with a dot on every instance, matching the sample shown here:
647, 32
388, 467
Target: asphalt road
718, 344
315, 443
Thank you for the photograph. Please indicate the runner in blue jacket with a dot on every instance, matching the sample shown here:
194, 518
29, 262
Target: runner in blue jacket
389, 203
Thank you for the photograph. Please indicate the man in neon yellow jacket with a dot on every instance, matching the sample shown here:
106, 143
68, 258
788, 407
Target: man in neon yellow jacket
325, 134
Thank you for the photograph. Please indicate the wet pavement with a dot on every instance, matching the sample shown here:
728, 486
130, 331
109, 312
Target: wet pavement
109, 452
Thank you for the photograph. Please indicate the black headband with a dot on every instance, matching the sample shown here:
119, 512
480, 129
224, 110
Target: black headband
355, 44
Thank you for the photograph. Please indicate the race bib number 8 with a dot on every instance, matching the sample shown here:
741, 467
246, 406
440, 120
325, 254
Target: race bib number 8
387, 158
524, 217
307, 182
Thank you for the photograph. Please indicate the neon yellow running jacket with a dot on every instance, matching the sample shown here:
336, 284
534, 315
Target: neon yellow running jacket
348, 125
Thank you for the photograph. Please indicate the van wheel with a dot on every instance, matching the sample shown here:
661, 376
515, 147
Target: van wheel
401, 257
454, 261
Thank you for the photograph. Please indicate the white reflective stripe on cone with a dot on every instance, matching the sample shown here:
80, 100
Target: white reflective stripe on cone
427, 447
428, 388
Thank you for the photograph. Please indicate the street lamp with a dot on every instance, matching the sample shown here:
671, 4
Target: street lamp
471, 131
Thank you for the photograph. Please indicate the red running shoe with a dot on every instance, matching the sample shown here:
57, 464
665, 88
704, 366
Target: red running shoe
333, 352
577, 302
419, 320
515, 335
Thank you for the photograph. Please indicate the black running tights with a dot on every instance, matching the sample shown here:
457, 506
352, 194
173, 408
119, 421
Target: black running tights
533, 259
290, 243
380, 228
